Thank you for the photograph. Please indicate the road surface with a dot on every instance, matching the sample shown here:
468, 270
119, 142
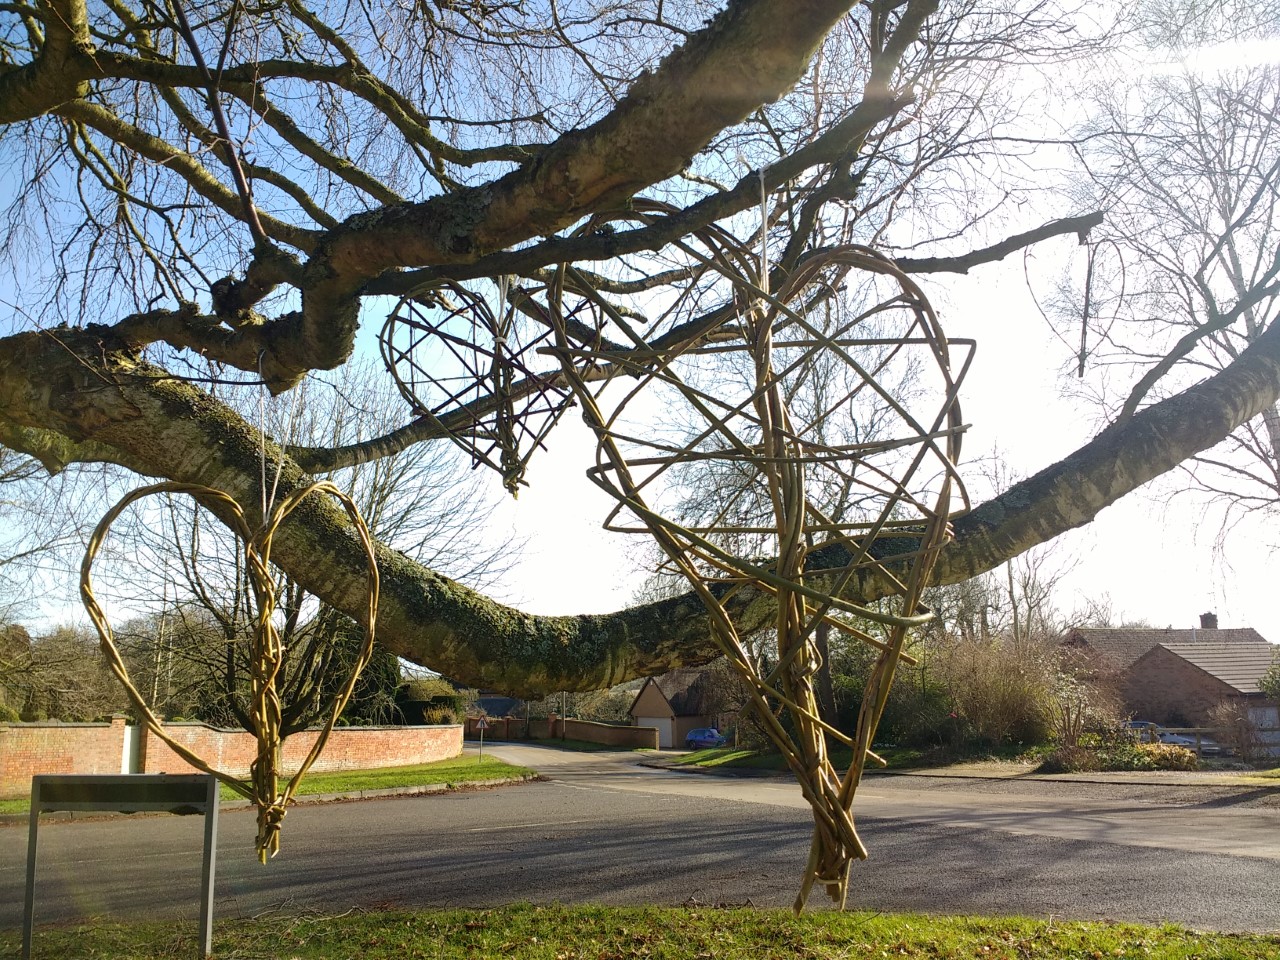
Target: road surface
601, 829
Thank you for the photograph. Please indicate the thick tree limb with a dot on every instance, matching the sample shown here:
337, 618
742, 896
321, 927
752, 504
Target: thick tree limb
52, 77
663, 230
1120, 459
92, 390
748, 56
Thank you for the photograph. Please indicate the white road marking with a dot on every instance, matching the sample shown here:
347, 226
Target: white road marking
525, 826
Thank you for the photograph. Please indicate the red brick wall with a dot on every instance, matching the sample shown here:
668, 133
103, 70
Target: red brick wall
609, 734
1163, 688
349, 748
30, 748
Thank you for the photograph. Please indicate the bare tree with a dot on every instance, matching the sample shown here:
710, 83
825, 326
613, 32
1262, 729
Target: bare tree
1184, 276
58, 675
37, 526
244, 186
190, 653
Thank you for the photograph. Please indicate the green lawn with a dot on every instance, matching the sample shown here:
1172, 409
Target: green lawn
459, 770
676, 933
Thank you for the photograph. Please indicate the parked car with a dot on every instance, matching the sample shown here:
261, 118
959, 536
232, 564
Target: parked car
1141, 730
701, 737
1211, 748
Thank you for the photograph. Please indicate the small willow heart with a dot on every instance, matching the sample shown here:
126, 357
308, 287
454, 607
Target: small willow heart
266, 651
449, 351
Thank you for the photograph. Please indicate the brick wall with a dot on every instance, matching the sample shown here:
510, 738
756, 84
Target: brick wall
349, 748
1163, 688
609, 734
30, 748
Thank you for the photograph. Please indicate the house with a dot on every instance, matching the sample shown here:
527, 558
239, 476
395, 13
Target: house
1113, 650
1179, 684
1176, 677
676, 703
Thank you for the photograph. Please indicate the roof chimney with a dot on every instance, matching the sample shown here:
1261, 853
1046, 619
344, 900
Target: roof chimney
1208, 621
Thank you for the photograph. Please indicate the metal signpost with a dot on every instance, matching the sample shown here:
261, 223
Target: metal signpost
127, 793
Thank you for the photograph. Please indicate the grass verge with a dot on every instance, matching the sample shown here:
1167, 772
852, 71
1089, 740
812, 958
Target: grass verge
898, 758
580, 746
459, 770
605, 933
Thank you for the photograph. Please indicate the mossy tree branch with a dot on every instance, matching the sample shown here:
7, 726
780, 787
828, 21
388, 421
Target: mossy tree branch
93, 391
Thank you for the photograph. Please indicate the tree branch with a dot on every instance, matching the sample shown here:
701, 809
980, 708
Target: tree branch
54, 76
1080, 226
90, 389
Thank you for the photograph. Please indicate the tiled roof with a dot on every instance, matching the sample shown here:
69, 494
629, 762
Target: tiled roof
1240, 665
683, 690
497, 705
1123, 645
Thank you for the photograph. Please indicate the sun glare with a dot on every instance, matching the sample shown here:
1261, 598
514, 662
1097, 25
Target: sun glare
1216, 57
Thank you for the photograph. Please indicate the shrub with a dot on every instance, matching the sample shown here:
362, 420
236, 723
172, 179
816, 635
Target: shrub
420, 698
1237, 729
1079, 703
8, 714
1001, 690
1069, 759
1118, 755
919, 709
1168, 757
439, 715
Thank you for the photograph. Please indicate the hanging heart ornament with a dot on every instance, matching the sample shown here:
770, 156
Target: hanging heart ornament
267, 653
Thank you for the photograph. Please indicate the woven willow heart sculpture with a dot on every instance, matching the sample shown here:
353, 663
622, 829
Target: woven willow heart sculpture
267, 653
449, 351
773, 442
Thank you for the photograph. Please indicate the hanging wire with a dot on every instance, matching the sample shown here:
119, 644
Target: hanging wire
1084, 313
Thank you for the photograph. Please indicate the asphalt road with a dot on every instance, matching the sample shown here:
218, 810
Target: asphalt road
602, 830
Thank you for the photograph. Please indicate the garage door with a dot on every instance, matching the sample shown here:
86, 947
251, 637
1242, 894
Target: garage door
663, 724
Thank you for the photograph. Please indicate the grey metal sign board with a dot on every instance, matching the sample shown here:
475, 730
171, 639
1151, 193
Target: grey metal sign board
127, 793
